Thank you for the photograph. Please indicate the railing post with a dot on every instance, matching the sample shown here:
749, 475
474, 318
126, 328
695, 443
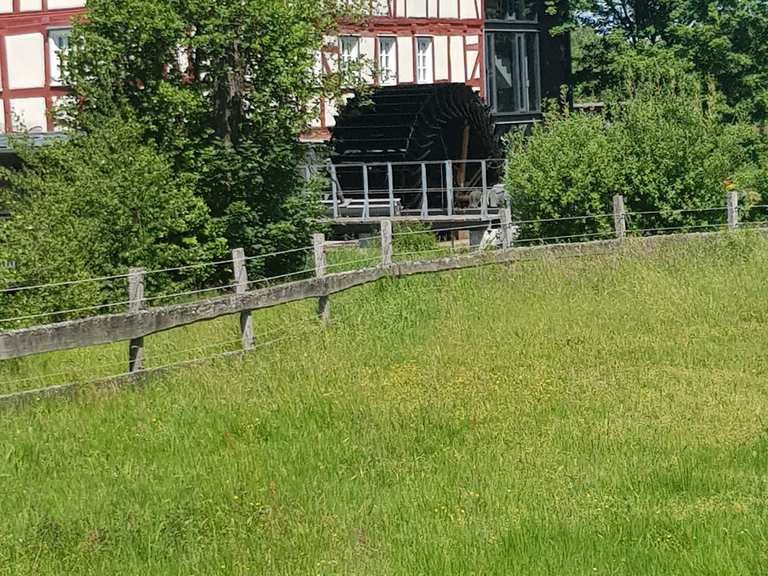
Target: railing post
484, 198
386, 242
366, 192
506, 227
424, 195
241, 287
334, 191
323, 303
733, 210
619, 217
449, 186
391, 186
136, 305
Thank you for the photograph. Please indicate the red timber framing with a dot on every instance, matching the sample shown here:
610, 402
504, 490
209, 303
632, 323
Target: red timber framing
41, 22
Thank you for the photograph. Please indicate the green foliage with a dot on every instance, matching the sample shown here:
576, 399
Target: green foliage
413, 237
725, 39
224, 89
663, 148
93, 206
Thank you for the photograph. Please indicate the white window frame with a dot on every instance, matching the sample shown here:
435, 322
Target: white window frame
54, 52
388, 61
425, 60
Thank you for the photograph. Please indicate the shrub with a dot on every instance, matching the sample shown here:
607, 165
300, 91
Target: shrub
95, 205
664, 148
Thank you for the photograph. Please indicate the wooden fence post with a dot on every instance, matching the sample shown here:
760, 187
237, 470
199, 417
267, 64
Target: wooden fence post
506, 227
241, 287
733, 210
136, 305
323, 303
619, 217
386, 242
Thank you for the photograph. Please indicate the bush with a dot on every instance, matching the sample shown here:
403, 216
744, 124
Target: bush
664, 148
95, 205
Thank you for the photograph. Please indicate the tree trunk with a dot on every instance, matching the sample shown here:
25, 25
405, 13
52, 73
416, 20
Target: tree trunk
229, 97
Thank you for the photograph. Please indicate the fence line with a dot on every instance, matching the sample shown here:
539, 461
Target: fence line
139, 322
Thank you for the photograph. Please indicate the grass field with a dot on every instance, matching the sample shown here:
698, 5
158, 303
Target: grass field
570, 417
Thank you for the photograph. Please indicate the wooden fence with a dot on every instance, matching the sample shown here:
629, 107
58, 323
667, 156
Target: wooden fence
138, 322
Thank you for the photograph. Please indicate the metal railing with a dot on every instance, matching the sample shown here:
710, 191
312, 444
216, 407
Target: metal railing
425, 190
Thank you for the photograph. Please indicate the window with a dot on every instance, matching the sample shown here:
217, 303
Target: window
513, 72
58, 44
387, 61
511, 10
350, 50
424, 61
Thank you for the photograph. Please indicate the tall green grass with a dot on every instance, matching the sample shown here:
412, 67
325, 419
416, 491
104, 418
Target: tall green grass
573, 416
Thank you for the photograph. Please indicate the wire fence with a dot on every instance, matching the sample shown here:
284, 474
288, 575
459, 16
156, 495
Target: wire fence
520, 232
422, 244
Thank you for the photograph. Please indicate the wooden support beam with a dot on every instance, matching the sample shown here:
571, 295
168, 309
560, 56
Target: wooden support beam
619, 217
733, 210
136, 304
506, 227
323, 302
386, 242
241, 287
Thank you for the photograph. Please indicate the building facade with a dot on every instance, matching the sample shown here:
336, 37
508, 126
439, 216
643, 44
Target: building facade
502, 49
32, 34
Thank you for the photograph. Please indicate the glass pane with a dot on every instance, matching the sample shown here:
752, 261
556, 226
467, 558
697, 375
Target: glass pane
504, 49
495, 9
521, 10
510, 10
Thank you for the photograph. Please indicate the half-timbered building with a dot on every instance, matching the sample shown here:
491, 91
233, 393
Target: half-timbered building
502, 49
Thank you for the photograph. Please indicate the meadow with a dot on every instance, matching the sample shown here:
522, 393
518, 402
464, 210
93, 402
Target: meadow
602, 415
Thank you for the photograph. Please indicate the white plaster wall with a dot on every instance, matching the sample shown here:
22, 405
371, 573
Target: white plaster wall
471, 62
6, 6
29, 114
449, 9
400, 8
405, 58
417, 8
30, 5
457, 59
469, 10
441, 58
368, 54
62, 4
330, 113
26, 61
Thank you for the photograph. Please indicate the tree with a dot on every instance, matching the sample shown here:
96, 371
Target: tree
728, 40
638, 21
222, 88
724, 39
